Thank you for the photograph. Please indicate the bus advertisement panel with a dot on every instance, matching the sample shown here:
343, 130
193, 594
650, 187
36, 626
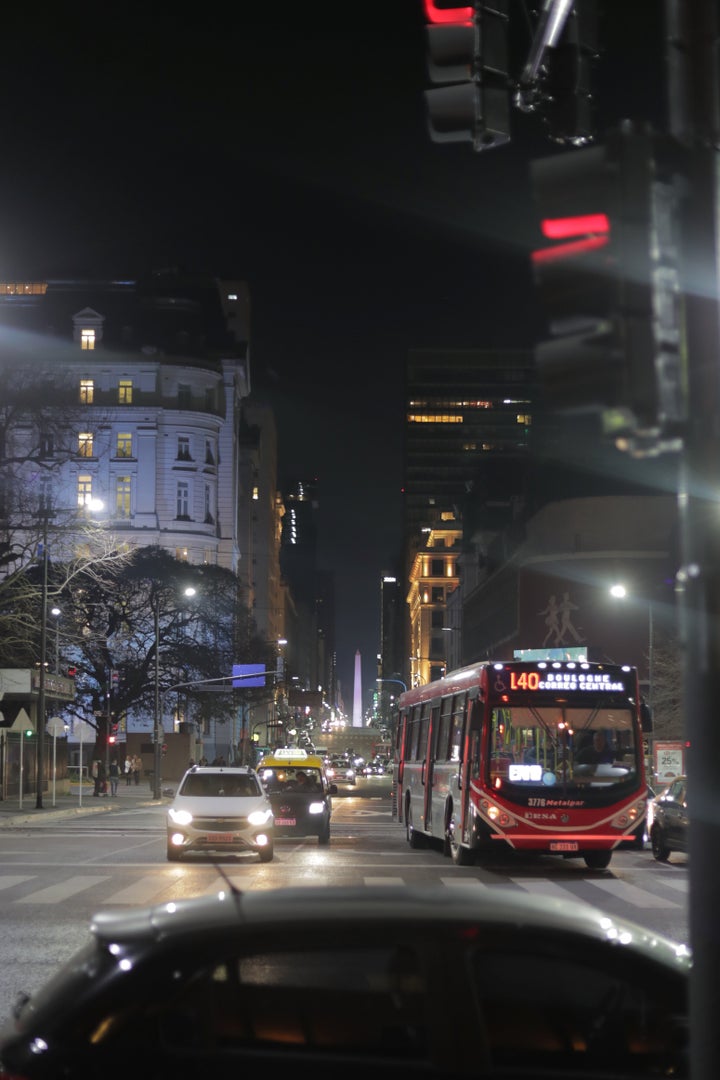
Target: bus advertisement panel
542, 756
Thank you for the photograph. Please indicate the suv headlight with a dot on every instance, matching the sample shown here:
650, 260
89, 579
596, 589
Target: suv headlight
180, 817
260, 817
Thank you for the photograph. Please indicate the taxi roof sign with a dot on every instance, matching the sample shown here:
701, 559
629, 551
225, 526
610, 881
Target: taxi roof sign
289, 752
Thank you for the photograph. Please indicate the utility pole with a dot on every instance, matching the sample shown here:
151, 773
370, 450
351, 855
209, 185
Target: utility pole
692, 58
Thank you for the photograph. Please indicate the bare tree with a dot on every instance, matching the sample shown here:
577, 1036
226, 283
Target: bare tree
117, 627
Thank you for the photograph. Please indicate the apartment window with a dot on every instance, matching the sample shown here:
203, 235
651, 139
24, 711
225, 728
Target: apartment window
183, 500
183, 448
125, 392
438, 595
123, 446
184, 396
84, 489
123, 490
87, 339
209, 455
87, 391
255, 493
85, 444
47, 447
209, 519
181, 554
210, 398
437, 568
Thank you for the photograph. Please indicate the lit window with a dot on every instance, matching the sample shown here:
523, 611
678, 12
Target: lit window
122, 496
85, 444
84, 489
124, 444
182, 554
255, 492
87, 339
87, 391
125, 392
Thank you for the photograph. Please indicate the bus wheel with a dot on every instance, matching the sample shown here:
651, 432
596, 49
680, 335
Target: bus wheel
597, 860
459, 854
415, 840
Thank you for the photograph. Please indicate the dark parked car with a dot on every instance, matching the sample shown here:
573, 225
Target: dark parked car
382, 981
670, 823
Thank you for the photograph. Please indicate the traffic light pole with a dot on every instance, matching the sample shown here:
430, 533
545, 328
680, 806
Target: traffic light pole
692, 36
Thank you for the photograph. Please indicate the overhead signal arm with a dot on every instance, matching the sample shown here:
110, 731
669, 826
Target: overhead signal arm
551, 23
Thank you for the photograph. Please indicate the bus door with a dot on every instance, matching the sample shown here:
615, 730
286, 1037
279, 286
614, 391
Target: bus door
430, 768
466, 731
416, 763
398, 764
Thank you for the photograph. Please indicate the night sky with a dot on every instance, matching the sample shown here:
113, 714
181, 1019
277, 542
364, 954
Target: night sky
286, 144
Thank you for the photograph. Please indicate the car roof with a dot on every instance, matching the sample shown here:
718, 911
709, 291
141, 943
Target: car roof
389, 909
231, 770
310, 760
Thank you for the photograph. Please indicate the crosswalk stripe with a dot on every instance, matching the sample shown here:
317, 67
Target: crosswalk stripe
463, 883
543, 887
54, 894
7, 881
680, 884
631, 894
141, 891
383, 880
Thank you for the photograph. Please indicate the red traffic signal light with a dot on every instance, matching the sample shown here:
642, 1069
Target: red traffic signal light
608, 282
467, 61
72, 671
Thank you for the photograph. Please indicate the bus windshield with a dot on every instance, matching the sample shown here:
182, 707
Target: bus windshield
556, 744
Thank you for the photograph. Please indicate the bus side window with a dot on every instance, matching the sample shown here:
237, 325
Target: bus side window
475, 755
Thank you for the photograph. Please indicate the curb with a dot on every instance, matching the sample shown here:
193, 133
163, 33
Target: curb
39, 817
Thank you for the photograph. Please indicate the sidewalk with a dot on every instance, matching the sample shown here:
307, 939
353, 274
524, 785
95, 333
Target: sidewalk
73, 804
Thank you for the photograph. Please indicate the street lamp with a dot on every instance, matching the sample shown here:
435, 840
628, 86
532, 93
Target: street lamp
56, 613
46, 511
158, 732
619, 592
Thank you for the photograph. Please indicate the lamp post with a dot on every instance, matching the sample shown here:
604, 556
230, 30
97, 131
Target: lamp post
46, 511
56, 613
619, 591
158, 732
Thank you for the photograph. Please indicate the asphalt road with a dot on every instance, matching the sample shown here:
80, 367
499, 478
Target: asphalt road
54, 875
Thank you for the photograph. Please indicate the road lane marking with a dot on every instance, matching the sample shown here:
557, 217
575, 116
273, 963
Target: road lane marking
55, 894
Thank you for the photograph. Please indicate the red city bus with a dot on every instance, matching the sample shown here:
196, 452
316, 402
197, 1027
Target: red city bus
507, 755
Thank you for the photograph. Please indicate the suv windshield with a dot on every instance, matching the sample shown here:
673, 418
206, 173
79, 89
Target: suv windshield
217, 785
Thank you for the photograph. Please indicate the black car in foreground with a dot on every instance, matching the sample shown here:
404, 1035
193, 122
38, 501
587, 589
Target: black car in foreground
357, 982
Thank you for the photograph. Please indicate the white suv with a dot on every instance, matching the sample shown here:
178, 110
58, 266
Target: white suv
220, 809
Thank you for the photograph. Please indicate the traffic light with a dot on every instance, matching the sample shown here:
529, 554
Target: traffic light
607, 279
468, 61
567, 76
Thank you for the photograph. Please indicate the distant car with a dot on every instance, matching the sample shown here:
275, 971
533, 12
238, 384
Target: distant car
341, 772
220, 809
670, 821
368, 981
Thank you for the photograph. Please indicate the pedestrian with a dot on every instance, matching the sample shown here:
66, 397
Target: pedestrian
114, 776
99, 778
128, 770
137, 768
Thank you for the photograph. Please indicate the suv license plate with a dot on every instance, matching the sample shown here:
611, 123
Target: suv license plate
220, 838
564, 845
285, 821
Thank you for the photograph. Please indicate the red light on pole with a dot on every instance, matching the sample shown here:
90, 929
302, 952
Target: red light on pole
439, 16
